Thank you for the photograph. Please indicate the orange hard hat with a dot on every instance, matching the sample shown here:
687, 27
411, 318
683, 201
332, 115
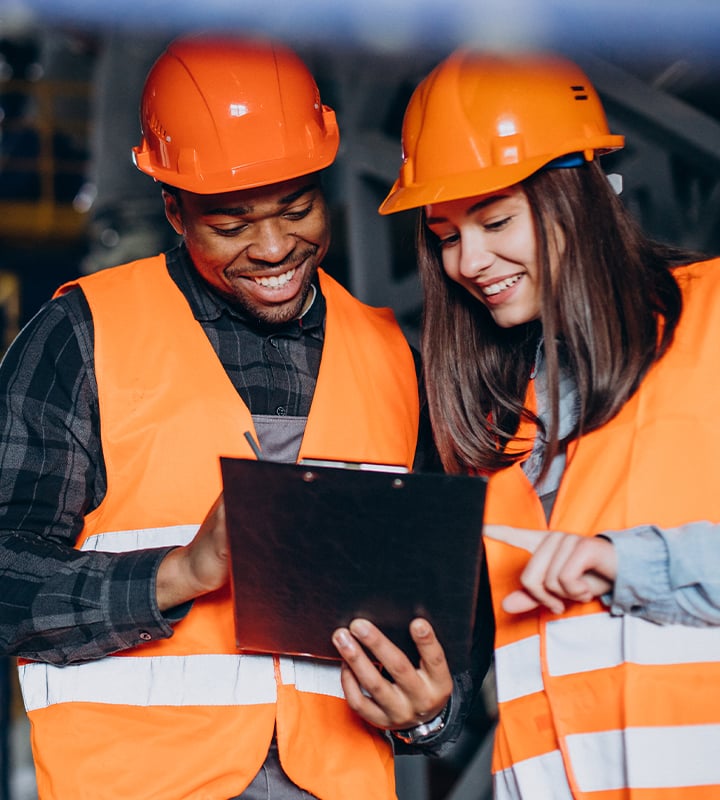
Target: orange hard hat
482, 122
220, 114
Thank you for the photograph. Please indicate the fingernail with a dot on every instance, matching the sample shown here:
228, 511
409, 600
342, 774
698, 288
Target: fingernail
421, 627
360, 628
342, 639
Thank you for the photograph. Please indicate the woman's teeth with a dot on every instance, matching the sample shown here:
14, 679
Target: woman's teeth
496, 288
276, 281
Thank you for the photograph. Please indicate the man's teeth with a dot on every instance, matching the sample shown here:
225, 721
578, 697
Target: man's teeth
275, 281
496, 288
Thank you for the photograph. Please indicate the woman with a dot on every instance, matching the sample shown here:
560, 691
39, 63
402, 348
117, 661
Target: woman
575, 362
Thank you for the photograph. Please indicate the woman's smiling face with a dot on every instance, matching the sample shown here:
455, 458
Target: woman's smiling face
488, 247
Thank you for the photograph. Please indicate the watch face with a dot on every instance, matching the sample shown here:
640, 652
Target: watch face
422, 730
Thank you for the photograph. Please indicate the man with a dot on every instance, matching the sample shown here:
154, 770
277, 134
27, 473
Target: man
118, 399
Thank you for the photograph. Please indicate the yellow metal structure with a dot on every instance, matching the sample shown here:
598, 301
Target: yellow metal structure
9, 309
43, 214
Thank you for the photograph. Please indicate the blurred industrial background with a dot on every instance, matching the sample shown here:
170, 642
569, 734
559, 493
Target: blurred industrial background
71, 202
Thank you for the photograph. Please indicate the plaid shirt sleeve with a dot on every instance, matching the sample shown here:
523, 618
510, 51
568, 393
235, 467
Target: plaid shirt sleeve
58, 604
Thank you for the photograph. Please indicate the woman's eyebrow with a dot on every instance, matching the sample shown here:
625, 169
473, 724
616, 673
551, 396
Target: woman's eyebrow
488, 201
484, 203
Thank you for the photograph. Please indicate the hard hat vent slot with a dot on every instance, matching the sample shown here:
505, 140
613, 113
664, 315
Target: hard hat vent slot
157, 127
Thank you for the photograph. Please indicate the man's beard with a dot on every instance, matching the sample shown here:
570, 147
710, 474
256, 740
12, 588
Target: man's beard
274, 316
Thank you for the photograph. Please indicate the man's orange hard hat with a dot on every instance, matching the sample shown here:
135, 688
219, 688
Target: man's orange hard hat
220, 114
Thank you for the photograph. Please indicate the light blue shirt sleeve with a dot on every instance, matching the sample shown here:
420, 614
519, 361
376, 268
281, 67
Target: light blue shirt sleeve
668, 576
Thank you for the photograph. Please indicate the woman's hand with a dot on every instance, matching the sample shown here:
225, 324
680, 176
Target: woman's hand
417, 695
563, 567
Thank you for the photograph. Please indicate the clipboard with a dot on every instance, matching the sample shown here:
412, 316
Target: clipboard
314, 545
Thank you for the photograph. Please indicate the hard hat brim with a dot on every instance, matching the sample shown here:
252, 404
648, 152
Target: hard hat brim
477, 182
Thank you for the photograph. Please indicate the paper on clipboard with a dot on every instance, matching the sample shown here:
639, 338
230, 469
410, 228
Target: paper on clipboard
313, 546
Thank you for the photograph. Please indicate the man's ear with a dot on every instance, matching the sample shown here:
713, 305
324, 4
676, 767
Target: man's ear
172, 211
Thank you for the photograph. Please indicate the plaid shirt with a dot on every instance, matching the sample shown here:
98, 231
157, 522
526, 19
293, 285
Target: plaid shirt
62, 605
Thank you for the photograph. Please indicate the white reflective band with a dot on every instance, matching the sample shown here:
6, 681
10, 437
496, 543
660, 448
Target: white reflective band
598, 641
126, 541
199, 680
636, 758
204, 680
646, 758
541, 778
581, 644
314, 677
517, 669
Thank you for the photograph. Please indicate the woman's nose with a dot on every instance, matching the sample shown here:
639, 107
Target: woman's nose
475, 256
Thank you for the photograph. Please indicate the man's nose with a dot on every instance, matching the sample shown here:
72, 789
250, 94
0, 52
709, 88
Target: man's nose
271, 243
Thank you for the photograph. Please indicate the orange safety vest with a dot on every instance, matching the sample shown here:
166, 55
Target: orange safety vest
189, 717
603, 707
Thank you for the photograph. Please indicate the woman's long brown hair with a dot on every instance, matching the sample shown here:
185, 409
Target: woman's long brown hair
612, 309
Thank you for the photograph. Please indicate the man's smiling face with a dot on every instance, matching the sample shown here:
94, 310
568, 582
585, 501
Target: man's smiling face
260, 248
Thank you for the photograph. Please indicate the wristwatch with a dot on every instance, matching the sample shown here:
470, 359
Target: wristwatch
424, 729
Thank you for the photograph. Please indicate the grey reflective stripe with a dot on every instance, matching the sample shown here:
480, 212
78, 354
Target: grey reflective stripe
517, 669
314, 677
205, 680
541, 778
599, 641
141, 539
647, 758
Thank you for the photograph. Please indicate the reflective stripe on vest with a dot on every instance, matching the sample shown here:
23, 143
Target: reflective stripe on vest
598, 641
662, 759
541, 778
212, 680
127, 541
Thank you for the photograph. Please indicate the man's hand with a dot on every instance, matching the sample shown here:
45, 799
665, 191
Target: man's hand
200, 566
563, 566
416, 696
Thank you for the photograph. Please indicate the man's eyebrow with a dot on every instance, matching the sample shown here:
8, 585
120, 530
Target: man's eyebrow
239, 211
297, 194
484, 203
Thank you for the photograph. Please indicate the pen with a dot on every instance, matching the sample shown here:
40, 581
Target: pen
254, 445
